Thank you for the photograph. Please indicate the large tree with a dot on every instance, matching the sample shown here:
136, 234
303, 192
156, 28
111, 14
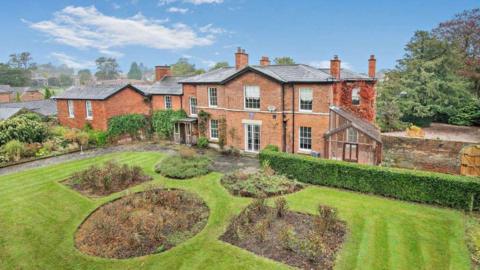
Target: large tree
135, 72
21, 61
14, 76
285, 60
84, 76
219, 65
107, 68
183, 67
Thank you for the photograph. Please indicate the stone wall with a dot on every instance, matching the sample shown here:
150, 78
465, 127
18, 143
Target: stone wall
423, 154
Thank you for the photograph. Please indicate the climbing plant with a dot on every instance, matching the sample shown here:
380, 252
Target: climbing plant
203, 117
366, 109
163, 121
222, 132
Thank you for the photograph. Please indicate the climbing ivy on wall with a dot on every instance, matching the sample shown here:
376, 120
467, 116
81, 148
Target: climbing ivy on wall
366, 109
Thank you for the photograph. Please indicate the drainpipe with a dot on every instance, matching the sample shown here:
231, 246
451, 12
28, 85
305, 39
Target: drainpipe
293, 118
284, 122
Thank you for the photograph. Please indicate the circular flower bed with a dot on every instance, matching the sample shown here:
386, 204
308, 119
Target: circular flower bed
143, 223
186, 164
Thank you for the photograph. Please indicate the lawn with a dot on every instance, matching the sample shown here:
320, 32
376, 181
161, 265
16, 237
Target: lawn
39, 216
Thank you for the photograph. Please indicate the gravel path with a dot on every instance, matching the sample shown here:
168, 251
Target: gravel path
222, 163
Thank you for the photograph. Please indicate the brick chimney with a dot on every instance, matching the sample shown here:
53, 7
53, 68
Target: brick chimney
241, 58
264, 61
372, 64
335, 67
162, 71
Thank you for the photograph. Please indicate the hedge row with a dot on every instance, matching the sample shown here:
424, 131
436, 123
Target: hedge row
418, 186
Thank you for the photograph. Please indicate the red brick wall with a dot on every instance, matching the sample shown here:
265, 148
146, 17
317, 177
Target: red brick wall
158, 102
5, 97
126, 101
32, 95
188, 91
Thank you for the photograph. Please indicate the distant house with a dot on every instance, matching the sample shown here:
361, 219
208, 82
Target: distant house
15, 94
45, 108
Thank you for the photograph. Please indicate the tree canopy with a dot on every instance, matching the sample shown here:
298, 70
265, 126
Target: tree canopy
285, 60
219, 65
107, 68
84, 76
182, 67
135, 72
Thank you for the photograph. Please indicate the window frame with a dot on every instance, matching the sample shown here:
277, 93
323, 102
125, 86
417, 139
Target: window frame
212, 129
71, 108
349, 130
169, 98
196, 104
245, 98
301, 139
210, 97
357, 96
300, 100
88, 110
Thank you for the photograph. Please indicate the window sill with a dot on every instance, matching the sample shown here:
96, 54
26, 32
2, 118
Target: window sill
306, 111
252, 110
212, 106
304, 151
214, 139
89, 118
71, 117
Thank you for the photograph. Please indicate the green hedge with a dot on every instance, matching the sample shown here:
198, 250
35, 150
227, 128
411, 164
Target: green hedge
417, 186
130, 124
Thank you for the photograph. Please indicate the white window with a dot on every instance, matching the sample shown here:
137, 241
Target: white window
212, 97
193, 106
88, 108
252, 97
306, 99
168, 102
305, 138
71, 112
213, 129
356, 96
352, 135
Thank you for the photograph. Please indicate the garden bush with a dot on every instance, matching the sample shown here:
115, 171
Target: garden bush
418, 186
22, 129
163, 121
131, 124
202, 142
14, 150
183, 166
97, 138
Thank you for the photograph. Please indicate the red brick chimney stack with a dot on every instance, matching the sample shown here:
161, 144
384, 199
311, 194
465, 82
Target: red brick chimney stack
162, 71
335, 67
264, 61
241, 58
372, 64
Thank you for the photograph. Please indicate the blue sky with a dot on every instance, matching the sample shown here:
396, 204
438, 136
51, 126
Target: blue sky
158, 32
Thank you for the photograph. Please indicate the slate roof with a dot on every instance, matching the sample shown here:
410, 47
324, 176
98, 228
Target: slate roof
346, 74
356, 122
46, 107
6, 113
169, 85
94, 92
281, 73
4, 88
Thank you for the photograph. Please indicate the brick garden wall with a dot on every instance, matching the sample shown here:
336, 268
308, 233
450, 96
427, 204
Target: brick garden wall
425, 154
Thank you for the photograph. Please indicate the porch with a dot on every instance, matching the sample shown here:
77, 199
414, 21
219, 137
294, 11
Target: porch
185, 131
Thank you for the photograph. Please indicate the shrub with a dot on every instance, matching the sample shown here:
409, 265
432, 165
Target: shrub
281, 207
202, 142
70, 135
30, 116
163, 121
58, 131
271, 147
419, 186
14, 150
22, 129
98, 138
109, 178
326, 218
180, 167
131, 124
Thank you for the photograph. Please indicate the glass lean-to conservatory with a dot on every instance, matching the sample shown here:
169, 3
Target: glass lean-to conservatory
352, 139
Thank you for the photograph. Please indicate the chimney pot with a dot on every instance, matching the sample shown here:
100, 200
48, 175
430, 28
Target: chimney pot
264, 61
241, 58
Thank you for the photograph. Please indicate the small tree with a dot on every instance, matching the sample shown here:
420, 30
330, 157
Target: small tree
48, 93
82, 139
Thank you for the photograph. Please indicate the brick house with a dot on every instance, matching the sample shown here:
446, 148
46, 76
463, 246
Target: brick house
299, 108
96, 104
19, 94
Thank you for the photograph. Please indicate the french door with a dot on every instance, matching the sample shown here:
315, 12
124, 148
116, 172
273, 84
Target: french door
252, 138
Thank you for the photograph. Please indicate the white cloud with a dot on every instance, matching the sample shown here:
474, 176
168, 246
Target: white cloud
212, 30
195, 2
87, 28
177, 10
71, 61
326, 64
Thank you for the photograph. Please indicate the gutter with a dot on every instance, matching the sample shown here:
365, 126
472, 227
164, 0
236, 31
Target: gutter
284, 121
293, 118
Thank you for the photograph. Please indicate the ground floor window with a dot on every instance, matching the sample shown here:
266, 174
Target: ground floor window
213, 129
252, 138
305, 138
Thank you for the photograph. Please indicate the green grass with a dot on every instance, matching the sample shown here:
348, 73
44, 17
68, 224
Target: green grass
39, 216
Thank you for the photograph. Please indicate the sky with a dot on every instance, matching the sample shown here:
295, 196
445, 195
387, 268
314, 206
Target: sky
158, 32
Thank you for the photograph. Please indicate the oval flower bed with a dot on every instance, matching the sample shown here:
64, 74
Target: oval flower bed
297, 239
107, 179
143, 223
186, 164
264, 183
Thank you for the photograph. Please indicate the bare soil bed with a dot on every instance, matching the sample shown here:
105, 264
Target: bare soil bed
143, 223
106, 179
297, 239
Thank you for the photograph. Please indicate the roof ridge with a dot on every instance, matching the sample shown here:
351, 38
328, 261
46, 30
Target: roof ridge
254, 67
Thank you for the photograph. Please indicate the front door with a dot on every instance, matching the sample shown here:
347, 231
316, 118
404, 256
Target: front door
252, 138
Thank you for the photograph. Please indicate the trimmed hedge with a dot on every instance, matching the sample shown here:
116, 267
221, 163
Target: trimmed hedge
418, 186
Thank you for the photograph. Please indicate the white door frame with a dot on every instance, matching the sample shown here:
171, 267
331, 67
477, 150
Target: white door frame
246, 137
